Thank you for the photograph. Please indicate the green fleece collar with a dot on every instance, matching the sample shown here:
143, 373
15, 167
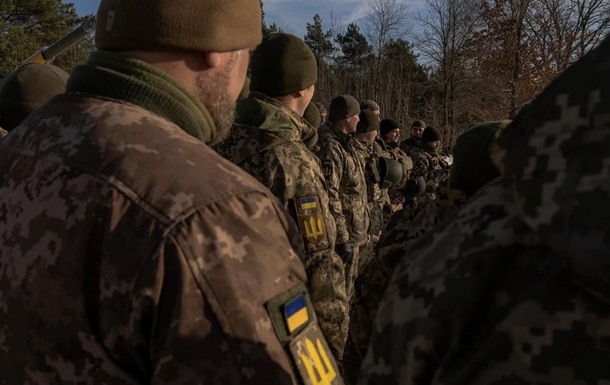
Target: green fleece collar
116, 76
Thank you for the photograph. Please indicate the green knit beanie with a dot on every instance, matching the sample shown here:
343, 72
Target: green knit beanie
472, 167
418, 123
343, 107
369, 105
282, 64
368, 122
190, 25
431, 134
28, 88
312, 115
387, 126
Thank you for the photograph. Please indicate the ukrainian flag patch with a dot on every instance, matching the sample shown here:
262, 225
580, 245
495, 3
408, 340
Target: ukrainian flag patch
295, 313
308, 203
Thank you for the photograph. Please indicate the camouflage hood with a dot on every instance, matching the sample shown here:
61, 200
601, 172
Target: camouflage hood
268, 122
555, 159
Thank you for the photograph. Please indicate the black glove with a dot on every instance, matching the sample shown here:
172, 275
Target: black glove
415, 187
345, 251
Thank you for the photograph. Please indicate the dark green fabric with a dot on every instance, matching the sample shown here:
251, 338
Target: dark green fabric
116, 76
387, 125
431, 134
268, 114
369, 105
343, 107
312, 115
472, 167
28, 88
368, 122
282, 64
185, 25
418, 123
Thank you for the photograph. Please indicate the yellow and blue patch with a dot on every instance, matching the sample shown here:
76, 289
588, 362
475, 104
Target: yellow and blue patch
295, 313
308, 203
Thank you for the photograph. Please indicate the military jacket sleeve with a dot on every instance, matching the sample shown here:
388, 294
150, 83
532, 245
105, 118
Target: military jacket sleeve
293, 175
332, 167
191, 295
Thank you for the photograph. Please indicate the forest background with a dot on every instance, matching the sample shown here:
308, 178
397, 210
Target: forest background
452, 63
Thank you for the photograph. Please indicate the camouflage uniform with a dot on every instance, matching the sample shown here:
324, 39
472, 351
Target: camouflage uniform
377, 197
428, 164
347, 193
409, 144
396, 195
268, 144
514, 289
404, 228
114, 269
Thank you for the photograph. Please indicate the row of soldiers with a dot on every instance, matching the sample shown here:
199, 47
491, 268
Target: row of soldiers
131, 252
341, 183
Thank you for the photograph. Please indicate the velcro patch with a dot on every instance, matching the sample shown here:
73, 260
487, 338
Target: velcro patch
295, 313
327, 167
297, 330
313, 358
311, 223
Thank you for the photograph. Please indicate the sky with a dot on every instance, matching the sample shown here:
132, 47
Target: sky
293, 15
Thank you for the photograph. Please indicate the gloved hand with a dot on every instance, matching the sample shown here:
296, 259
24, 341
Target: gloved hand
345, 251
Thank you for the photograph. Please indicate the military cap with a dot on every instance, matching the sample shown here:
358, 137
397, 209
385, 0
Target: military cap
431, 134
189, 25
387, 126
472, 166
368, 122
418, 123
369, 105
282, 64
312, 115
343, 107
28, 88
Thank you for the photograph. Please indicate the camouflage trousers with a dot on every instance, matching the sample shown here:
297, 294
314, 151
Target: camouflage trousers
352, 268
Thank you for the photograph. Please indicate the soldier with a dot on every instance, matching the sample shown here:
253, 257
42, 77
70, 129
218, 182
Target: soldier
269, 142
312, 116
390, 135
427, 163
26, 89
472, 158
514, 288
369, 105
132, 253
370, 154
346, 182
323, 113
417, 129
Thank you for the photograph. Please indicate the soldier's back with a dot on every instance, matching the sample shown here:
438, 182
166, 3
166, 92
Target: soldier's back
131, 250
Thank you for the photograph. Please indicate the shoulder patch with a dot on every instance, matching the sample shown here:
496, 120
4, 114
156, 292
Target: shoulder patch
294, 322
327, 167
311, 223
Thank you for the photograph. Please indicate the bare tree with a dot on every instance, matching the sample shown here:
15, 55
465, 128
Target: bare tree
446, 28
385, 20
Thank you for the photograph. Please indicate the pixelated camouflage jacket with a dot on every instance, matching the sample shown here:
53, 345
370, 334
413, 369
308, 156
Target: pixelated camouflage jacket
514, 288
427, 164
402, 231
376, 196
267, 143
346, 184
409, 144
396, 194
131, 253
